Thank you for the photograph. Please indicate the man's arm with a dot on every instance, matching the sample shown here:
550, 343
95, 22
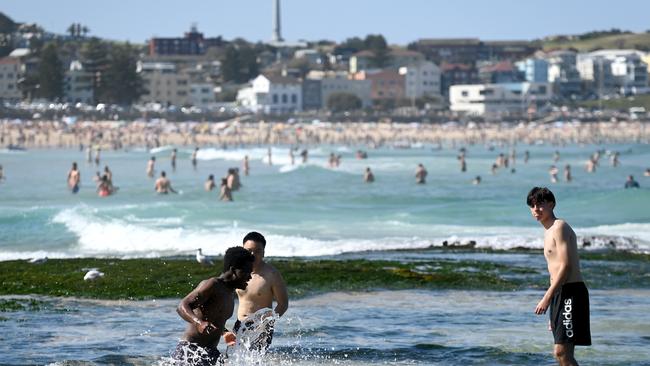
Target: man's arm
197, 297
279, 289
563, 265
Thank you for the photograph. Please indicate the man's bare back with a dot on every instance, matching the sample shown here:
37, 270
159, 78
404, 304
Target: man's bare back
213, 303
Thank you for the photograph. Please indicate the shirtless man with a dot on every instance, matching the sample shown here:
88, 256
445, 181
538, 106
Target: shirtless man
246, 166
207, 308
151, 167
225, 193
209, 184
567, 295
420, 174
368, 177
265, 286
74, 177
163, 185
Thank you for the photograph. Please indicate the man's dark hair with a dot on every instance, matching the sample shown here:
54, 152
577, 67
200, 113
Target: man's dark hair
237, 257
539, 195
256, 237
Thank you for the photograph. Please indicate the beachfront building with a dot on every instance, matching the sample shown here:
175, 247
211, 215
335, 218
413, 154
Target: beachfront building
164, 84
396, 58
9, 76
385, 85
449, 50
498, 72
534, 70
78, 84
563, 73
614, 70
455, 74
272, 95
193, 43
494, 100
202, 95
318, 86
421, 79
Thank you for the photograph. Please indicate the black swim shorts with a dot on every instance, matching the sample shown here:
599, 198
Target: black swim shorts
569, 312
191, 354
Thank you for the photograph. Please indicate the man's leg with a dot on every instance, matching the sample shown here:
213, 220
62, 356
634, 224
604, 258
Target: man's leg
564, 354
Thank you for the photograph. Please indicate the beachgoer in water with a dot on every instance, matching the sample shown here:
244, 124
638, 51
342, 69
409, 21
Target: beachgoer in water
646, 173
195, 154
631, 183
304, 154
615, 161
553, 171
225, 194
477, 180
590, 167
556, 156
331, 162
104, 189
269, 153
463, 164
246, 165
173, 159
74, 177
494, 168
420, 174
526, 156
266, 285
2, 174
151, 167
368, 177
89, 154
208, 306
163, 185
97, 158
567, 173
209, 184
292, 158
567, 296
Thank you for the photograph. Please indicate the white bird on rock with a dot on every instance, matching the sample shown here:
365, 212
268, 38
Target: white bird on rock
202, 259
93, 274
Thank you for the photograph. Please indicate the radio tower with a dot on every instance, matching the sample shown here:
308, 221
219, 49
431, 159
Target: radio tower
277, 36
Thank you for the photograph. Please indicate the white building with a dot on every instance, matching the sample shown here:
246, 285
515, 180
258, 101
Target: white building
421, 79
78, 84
9, 75
164, 84
499, 99
395, 58
614, 69
272, 95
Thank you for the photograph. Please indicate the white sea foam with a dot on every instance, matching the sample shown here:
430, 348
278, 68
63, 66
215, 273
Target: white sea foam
167, 236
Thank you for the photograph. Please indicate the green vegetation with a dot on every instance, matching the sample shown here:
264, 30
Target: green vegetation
600, 40
340, 102
168, 278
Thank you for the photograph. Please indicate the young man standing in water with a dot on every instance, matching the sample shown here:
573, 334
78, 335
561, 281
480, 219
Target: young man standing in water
567, 295
207, 308
74, 177
265, 286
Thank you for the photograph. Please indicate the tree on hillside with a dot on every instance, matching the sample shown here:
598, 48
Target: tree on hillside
120, 82
94, 57
379, 47
50, 74
340, 102
7, 25
239, 64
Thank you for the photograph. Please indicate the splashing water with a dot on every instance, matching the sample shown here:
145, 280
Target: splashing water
253, 338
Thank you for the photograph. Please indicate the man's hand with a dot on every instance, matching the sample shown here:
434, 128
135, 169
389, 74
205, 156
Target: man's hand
542, 306
206, 327
229, 338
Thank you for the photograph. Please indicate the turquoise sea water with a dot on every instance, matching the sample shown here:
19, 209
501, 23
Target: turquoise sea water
310, 210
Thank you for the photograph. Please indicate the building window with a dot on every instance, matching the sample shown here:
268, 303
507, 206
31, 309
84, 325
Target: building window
487, 92
464, 93
275, 99
284, 99
294, 98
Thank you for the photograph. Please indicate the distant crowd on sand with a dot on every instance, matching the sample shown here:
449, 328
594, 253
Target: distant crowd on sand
112, 135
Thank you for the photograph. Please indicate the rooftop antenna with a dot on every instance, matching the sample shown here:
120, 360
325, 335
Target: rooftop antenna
277, 36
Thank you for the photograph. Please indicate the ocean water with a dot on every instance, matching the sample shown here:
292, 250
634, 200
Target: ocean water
311, 209
368, 328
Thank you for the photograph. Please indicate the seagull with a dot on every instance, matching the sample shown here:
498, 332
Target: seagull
202, 259
38, 260
93, 274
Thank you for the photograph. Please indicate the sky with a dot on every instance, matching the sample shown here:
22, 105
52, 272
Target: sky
400, 21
